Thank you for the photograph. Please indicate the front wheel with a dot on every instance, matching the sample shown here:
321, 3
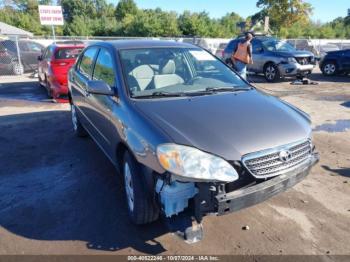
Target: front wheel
141, 207
329, 69
77, 126
271, 73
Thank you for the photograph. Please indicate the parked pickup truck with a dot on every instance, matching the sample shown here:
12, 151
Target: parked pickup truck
188, 135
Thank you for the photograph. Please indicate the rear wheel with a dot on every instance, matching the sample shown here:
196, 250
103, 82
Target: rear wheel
329, 68
141, 207
17, 68
271, 73
48, 88
79, 130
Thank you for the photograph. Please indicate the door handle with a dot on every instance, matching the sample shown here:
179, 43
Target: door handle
86, 93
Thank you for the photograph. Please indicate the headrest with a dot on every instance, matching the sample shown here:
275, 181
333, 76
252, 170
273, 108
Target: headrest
168, 67
142, 71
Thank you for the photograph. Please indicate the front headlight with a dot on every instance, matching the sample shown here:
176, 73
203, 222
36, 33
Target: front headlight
192, 163
290, 60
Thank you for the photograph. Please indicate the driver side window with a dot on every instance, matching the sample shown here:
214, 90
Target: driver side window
104, 68
257, 47
86, 63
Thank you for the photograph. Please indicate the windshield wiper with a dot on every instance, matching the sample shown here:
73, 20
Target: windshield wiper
162, 94
226, 89
208, 90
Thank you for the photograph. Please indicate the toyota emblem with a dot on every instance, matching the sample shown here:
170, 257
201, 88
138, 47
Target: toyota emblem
285, 155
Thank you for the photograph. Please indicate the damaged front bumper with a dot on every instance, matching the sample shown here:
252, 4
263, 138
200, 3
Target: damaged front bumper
241, 198
293, 69
209, 199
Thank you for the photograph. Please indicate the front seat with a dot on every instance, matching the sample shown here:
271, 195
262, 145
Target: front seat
167, 76
142, 73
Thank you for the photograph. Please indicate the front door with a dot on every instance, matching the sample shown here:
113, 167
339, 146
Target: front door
99, 107
257, 57
79, 79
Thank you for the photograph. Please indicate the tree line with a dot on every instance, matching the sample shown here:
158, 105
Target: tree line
288, 19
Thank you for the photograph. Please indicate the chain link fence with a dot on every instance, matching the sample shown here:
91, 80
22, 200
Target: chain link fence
19, 56
320, 46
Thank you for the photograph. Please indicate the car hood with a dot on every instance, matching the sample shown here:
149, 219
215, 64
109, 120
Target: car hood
229, 125
297, 53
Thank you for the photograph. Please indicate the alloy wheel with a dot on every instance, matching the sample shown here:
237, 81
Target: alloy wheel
18, 69
270, 73
329, 69
74, 117
129, 189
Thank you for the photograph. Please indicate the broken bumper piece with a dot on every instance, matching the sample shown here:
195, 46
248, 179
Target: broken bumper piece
236, 200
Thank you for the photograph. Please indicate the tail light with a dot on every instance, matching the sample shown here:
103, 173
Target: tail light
222, 53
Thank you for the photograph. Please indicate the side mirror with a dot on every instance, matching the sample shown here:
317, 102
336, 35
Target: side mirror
99, 87
40, 58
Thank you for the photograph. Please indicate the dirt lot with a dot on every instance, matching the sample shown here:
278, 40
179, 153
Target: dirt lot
60, 195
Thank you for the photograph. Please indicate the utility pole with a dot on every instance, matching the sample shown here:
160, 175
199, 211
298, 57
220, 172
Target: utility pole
53, 34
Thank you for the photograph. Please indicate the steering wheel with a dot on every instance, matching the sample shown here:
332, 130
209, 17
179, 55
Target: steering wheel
193, 79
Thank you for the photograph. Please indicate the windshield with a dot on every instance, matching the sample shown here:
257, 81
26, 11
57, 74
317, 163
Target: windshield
174, 71
276, 45
67, 53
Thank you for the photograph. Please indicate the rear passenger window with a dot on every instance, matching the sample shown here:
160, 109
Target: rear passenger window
86, 63
34, 47
104, 68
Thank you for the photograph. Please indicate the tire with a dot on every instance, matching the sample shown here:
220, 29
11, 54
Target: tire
17, 68
48, 89
271, 73
40, 81
142, 209
79, 130
329, 68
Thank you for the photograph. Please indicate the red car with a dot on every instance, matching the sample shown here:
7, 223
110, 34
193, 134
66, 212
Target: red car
54, 65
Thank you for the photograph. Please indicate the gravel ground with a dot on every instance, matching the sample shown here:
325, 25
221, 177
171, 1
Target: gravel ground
60, 195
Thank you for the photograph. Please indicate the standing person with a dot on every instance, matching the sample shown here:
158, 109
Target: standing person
242, 55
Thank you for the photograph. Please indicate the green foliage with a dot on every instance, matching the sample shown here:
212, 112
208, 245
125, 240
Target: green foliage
124, 8
229, 24
150, 23
285, 13
288, 18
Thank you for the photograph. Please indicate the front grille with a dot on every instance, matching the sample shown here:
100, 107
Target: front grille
274, 162
303, 60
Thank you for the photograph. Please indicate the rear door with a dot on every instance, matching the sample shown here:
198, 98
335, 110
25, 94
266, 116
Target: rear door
81, 74
45, 63
99, 107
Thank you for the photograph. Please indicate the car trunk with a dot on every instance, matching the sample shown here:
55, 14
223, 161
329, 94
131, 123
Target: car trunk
60, 69
63, 60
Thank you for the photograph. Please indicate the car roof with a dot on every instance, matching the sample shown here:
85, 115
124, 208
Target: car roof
258, 38
130, 44
67, 45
